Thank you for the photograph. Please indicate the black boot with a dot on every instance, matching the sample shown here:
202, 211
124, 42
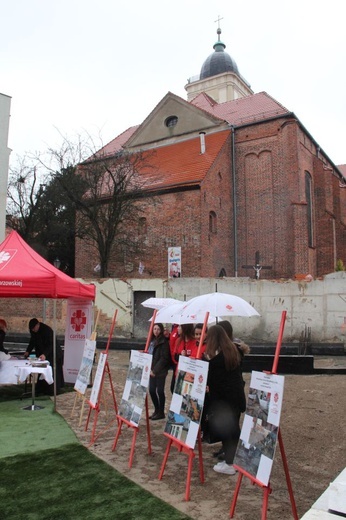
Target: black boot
158, 416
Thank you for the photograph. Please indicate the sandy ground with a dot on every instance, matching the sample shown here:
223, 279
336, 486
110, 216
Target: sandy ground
313, 429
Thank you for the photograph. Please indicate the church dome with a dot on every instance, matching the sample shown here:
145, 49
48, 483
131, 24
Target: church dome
218, 62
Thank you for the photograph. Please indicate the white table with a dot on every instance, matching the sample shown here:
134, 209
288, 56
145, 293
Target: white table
8, 370
14, 371
25, 371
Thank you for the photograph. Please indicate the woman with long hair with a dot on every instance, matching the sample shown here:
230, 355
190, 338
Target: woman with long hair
159, 348
226, 396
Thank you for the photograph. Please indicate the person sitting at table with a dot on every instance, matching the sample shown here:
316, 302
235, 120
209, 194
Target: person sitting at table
42, 341
3, 330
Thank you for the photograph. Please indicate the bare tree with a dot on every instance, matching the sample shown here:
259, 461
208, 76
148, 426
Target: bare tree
110, 194
24, 196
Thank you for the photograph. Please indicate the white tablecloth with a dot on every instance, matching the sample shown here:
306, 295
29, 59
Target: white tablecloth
24, 372
13, 371
8, 371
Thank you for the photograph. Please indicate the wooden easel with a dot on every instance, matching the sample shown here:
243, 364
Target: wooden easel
241, 472
97, 407
79, 395
135, 427
183, 448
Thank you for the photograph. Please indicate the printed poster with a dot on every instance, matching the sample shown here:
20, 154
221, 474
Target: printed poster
83, 377
259, 434
94, 397
174, 262
136, 387
79, 317
187, 403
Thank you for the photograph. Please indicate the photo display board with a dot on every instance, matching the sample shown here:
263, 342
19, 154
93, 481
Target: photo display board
187, 403
94, 396
259, 434
83, 377
136, 387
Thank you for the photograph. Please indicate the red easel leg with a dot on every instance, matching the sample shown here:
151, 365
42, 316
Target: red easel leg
235, 496
120, 423
165, 458
94, 426
288, 479
148, 425
88, 418
189, 472
266, 493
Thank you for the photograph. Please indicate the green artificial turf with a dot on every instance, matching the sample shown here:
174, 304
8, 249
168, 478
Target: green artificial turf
45, 474
23, 431
70, 483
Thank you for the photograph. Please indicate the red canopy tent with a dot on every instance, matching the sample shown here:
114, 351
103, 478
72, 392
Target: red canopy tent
25, 274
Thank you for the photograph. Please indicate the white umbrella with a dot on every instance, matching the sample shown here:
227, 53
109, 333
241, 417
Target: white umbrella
176, 314
159, 303
218, 304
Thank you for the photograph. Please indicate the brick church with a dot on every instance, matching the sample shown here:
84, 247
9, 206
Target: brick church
240, 183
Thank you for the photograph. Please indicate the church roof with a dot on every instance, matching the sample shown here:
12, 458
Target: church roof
182, 163
256, 107
218, 62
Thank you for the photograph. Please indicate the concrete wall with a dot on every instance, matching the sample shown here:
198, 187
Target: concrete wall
319, 305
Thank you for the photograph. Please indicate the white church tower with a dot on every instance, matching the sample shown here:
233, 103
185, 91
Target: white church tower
219, 77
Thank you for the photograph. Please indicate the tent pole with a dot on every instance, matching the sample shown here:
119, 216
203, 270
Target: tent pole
54, 352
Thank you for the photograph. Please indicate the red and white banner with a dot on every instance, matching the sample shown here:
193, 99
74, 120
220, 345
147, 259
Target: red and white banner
79, 318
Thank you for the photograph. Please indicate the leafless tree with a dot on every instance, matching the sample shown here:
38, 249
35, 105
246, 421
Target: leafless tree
110, 193
24, 195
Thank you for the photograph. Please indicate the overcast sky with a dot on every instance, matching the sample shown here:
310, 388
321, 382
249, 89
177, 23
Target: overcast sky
75, 66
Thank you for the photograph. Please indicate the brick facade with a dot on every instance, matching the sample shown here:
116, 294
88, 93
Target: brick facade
269, 165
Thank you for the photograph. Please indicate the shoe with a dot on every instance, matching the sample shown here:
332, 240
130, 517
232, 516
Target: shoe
221, 456
153, 414
157, 416
222, 467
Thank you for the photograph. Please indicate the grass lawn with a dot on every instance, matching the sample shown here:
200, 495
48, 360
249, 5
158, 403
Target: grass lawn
47, 475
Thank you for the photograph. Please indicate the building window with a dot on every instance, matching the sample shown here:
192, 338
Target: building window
212, 222
171, 121
309, 208
142, 226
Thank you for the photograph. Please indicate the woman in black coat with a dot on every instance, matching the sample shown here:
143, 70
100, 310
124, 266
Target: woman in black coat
226, 396
159, 348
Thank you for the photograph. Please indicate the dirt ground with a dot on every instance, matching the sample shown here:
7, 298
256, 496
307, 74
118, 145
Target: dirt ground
313, 429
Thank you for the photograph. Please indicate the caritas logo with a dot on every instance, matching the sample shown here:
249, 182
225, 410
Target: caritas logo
78, 320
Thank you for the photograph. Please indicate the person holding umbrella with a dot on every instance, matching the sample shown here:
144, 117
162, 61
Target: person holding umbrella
226, 396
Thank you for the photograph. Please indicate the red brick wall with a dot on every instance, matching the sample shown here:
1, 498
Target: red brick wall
271, 159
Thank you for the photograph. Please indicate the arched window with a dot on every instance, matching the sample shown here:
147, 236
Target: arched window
142, 226
212, 222
309, 209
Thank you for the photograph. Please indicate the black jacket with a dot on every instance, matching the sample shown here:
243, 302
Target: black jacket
161, 357
226, 385
42, 342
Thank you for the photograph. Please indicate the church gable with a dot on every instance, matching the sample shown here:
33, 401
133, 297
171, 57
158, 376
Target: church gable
172, 119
